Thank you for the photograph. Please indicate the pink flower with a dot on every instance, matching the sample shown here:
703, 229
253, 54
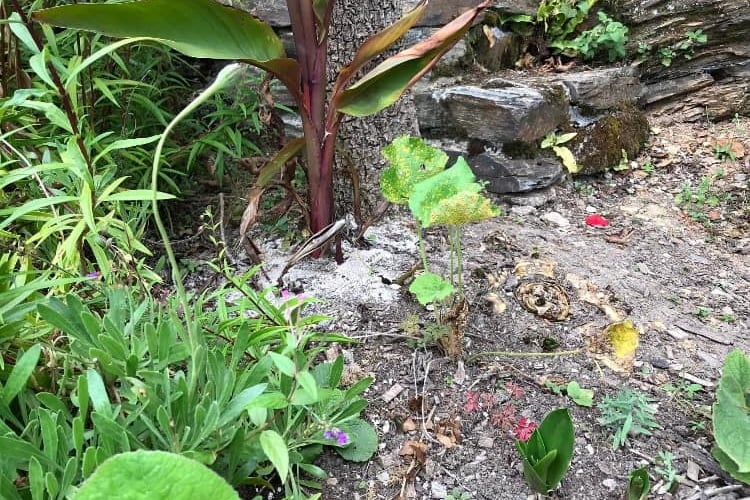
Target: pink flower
596, 220
524, 429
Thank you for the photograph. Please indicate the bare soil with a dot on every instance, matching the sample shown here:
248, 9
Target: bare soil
674, 260
678, 269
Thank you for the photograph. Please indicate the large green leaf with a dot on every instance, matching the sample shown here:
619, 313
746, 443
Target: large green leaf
558, 434
384, 84
154, 475
450, 197
197, 28
731, 412
411, 160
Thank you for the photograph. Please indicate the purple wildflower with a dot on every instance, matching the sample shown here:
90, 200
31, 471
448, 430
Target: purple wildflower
94, 275
342, 439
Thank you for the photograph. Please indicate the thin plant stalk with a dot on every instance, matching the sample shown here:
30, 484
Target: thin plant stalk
422, 251
224, 76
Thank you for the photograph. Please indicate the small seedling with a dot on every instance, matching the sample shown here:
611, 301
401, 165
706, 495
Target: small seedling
667, 470
623, 164
627, 413
648, 167
555, 388
728, 317
682, 390
724, 152
555, 142
697, 425
702, 312
458, 494
579, 395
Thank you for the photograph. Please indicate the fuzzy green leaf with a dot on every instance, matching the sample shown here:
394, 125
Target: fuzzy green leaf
450, 197
411, 160
730, 465
156, 475
364, 441
429, 288
731, 412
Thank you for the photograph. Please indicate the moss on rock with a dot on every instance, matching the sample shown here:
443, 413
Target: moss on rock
599, 146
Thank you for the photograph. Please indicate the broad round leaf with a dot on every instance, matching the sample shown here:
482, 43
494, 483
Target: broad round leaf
154, 475
450, 198
731, 412
429, 287
411, 160
364, 441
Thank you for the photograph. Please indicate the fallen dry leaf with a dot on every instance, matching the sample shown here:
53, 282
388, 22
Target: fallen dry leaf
498, 304
730, 145
615, 345
416, 449
544, 267
408, 425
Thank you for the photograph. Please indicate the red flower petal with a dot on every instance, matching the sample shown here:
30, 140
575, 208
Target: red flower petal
596, 220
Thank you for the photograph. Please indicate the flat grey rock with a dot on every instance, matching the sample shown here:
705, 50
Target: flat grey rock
505, 176
496, 112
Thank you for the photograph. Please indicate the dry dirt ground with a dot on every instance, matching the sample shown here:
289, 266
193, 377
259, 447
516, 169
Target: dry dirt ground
674, 260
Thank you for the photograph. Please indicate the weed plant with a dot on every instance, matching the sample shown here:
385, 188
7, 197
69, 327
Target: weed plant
628, 413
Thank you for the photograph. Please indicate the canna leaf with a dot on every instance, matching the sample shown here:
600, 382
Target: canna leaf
385, 83
379, 43
197, 28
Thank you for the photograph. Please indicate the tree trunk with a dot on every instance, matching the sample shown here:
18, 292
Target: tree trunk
361, 139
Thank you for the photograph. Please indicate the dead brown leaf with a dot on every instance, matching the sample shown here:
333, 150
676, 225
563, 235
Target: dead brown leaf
416, 449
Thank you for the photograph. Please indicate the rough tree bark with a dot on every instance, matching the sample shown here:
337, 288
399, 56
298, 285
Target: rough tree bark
361, 139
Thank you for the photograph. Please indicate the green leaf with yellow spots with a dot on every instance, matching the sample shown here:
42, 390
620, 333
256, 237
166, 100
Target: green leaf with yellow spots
450, 197
411, 160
